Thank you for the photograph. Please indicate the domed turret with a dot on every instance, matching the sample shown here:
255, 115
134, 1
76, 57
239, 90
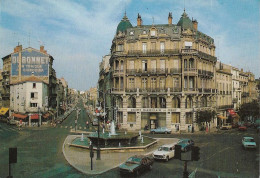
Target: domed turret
124, 24
185, 22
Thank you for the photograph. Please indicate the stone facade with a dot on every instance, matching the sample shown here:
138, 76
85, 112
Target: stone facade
162, 74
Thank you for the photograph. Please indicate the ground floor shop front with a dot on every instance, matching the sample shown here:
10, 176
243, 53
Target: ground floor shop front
175, 119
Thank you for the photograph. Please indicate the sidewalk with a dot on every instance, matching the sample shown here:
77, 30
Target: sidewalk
79, 158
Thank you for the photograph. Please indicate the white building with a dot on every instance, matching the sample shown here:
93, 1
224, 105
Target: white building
236, 89
29, 99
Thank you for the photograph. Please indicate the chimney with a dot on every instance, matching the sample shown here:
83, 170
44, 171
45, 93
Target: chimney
42, 49
18, 48
170, 18
139, 20
195, 24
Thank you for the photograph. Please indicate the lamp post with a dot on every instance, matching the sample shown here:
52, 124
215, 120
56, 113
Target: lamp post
39, 109
98, 114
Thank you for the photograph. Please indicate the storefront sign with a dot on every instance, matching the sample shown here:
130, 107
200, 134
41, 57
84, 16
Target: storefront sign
32, 62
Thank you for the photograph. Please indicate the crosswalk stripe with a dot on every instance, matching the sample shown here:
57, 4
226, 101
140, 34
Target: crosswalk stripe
66, 127
70, 127
79, 127
85, 127
61, 126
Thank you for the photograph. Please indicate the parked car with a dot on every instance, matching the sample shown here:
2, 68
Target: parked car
248, 142
11, 122
226, 127
136, 164
160, 130
242, 128
186, 144
165, 152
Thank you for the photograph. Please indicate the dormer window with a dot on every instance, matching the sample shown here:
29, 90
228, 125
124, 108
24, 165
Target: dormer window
144, 32
131, 32
153, 33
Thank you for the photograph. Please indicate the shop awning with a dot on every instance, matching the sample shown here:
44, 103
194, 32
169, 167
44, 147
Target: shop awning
3, 110
35, 116
221, 117
153, 117
20, 116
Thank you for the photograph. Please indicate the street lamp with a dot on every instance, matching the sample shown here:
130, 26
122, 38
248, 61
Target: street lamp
98, 114
39, 109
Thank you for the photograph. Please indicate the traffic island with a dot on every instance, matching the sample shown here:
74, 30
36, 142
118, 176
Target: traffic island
79, 156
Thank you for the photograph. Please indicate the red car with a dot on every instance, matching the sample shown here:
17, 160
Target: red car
242, 128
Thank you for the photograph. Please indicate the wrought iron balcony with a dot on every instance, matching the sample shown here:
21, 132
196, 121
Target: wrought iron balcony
153, 52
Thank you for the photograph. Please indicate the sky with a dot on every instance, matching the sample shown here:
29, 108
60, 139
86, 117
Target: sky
77, 33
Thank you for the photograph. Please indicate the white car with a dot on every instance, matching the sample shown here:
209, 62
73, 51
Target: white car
165, 152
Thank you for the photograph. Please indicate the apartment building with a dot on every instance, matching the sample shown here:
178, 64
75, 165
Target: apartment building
162, 74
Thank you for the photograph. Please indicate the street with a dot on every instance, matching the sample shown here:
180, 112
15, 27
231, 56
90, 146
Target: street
40, 153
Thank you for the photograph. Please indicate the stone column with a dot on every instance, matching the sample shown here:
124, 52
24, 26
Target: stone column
183, 115
30, 121
168, 114
124, 125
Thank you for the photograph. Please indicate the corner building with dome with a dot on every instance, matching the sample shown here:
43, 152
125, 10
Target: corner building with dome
162, 74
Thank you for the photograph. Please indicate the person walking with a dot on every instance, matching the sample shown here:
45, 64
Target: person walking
87, 126
20, 124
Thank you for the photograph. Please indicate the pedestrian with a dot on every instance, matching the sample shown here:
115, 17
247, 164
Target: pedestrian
20, 124
87, 126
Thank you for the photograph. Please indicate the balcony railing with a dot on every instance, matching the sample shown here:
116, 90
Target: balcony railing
207, 90
189, 89
175, 89
117, 89
226, 106
205, 73
118, 71
153, 52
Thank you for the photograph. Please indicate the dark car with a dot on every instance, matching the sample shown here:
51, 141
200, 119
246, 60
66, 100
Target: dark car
185, 144
136, 164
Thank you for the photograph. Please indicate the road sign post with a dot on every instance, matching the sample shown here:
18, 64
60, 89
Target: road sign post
91, 155
12, 159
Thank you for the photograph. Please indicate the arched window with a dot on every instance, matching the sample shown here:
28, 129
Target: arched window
131, 102
119, 102
188, 102
176, 102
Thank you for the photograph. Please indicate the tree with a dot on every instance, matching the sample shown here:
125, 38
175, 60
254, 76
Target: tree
205, 116
249, 110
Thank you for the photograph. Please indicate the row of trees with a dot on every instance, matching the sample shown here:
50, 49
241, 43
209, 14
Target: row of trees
249, 110
246, 110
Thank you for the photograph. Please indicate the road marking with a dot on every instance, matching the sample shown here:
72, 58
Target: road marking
61, 126
66, 127
70, 127
79, 127
85, 127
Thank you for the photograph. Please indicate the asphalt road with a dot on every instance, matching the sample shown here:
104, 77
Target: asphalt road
40, 153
